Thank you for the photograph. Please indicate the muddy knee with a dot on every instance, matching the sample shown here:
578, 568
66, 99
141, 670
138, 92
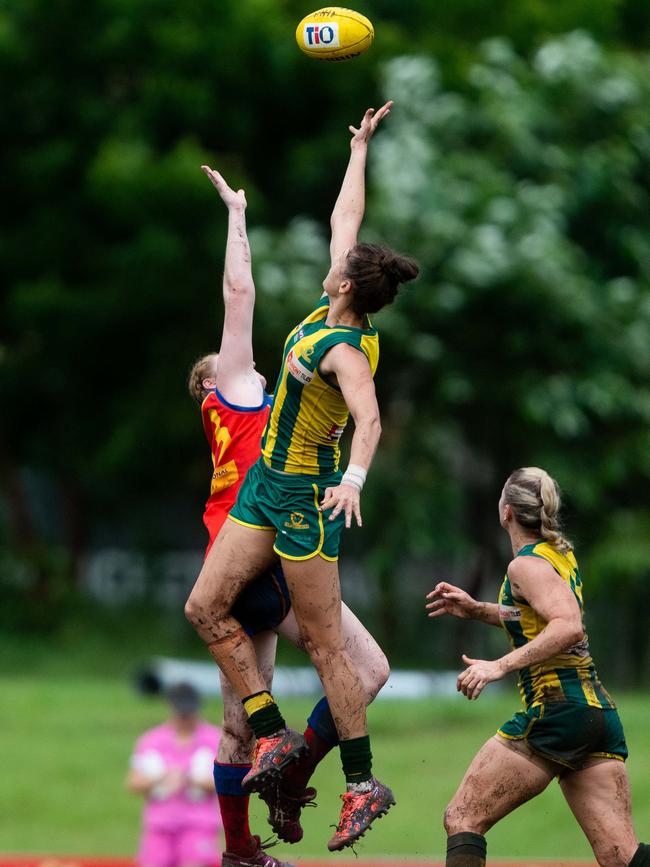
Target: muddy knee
204, 614
458, 818
374, 676
449, 819
195, 611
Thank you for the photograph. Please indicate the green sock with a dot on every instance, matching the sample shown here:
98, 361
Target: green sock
466, 849
641, 857
264, 715
356, 759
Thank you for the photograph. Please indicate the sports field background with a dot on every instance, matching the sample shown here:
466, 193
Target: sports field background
514, 167
66, 743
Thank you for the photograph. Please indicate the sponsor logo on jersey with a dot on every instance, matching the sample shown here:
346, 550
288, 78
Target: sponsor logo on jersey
223, 477
509, 612
296, 522
335, 433
298, 370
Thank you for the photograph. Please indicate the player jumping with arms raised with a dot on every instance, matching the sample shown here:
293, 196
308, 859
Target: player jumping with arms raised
235, 409
294, 503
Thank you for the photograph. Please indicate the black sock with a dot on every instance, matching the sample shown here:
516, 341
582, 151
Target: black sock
466, 850
264, 715
641, 857
356, 759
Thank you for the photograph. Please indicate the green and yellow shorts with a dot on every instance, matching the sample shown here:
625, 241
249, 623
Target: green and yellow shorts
568, 733
288, 504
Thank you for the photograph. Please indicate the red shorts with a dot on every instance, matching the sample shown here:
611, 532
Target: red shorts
214, 516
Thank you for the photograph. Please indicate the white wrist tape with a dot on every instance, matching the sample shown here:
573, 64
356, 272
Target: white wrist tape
355, 476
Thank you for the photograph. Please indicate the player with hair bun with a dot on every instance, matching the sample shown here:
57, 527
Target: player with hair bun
569, 727
294, 503
234, 410
376, 273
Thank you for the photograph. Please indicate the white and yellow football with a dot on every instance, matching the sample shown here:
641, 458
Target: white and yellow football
334, 33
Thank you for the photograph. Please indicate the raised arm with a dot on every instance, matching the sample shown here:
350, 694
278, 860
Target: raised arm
350, 205
236, 378
354, 378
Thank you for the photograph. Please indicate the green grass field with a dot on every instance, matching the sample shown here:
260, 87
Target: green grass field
66, 742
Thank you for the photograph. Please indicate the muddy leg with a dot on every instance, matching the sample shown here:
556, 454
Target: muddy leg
497, 781
599, 797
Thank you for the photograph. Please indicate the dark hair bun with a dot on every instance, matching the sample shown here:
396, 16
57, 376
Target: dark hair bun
399, 268
376, 273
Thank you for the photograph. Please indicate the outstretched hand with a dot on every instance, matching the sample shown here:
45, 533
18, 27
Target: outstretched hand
477, 675
448, 599
230, 198
369, 123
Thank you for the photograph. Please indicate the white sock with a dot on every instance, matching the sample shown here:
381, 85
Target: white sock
361, 788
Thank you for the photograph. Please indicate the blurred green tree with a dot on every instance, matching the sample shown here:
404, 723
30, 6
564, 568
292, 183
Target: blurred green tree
527, 340
527, 201
521, 185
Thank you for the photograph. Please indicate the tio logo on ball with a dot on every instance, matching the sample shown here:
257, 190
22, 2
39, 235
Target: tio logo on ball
322, 35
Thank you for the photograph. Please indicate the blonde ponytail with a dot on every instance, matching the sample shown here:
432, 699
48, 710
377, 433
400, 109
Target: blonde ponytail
535, 501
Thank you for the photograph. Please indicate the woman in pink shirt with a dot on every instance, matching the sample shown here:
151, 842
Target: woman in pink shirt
172, 767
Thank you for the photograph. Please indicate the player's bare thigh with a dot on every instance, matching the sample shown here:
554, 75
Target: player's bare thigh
316, 600
368, 656
238, 555
599, 797
497, 781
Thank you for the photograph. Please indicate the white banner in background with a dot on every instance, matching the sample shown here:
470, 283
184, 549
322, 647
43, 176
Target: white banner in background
163, 672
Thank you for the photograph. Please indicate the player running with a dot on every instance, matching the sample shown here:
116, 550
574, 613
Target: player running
235, 409
570, 727
294, 503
